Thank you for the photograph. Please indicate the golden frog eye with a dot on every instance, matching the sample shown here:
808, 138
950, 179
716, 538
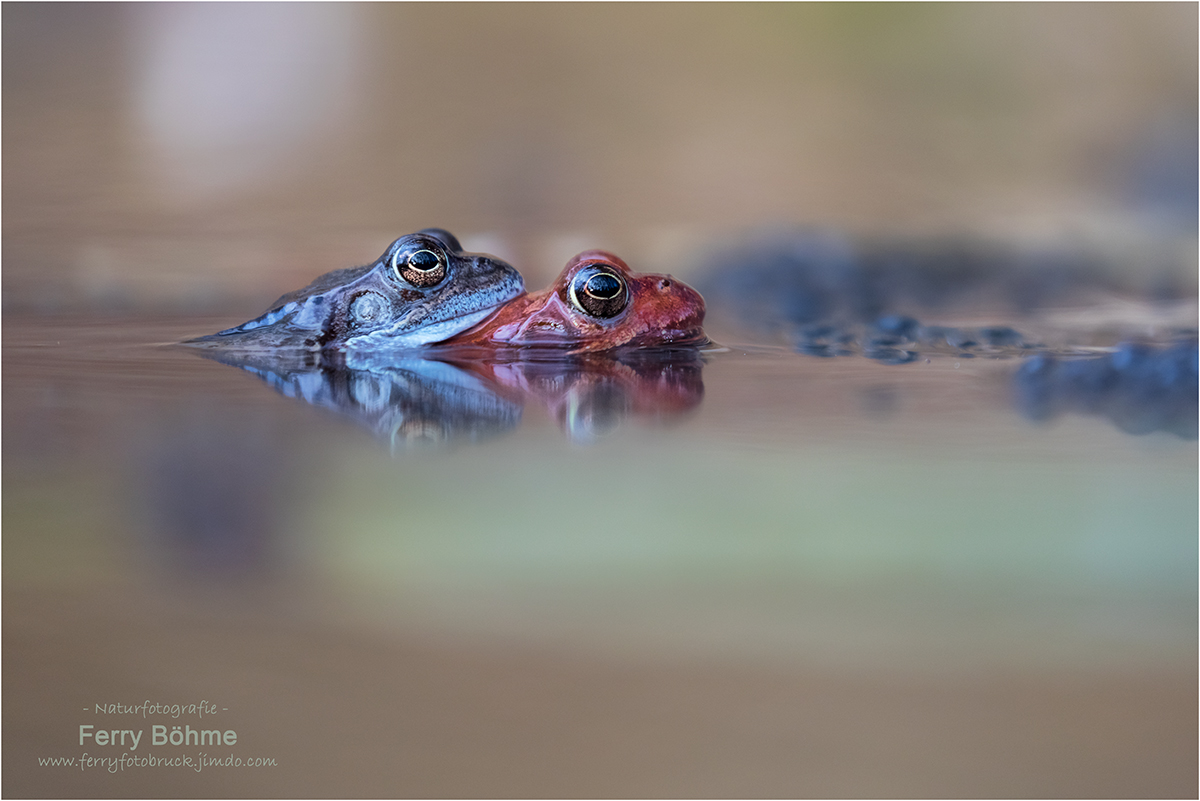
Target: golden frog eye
599, 292
422, 268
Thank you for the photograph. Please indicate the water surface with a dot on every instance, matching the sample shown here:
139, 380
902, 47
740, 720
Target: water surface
749, 573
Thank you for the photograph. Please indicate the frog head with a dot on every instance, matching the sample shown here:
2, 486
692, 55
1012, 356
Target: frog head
423, 289
596, 304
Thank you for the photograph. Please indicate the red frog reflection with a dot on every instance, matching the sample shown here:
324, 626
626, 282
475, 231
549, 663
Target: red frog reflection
596, 304
591, 395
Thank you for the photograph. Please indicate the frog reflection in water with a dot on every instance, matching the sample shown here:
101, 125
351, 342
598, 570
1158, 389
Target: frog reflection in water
423, 289
413, 401
592, 395
596, 304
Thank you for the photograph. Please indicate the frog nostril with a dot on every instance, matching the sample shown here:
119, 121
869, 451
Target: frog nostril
664, 283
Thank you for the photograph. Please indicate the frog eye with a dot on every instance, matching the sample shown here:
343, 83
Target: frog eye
423, 268
599, 292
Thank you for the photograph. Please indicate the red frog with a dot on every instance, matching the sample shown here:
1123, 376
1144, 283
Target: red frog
596, 304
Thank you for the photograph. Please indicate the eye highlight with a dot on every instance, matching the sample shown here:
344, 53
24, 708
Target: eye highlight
423, 267
599, 292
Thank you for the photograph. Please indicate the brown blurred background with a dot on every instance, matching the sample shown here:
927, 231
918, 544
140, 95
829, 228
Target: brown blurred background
183, 154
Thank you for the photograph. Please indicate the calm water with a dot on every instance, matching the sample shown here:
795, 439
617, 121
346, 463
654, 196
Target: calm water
753, 572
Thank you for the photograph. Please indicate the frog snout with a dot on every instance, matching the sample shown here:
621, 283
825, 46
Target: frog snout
504, 278
687, 302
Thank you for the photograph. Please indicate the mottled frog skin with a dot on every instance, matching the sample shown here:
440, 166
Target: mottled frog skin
596, 304
423, 289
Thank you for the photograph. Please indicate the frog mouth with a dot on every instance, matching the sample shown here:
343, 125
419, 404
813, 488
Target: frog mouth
664, 339
434, 323
271, 335
688, 331
425, 334
279, 335
683, 336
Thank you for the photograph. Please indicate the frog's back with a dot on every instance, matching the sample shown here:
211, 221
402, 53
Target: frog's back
320, 284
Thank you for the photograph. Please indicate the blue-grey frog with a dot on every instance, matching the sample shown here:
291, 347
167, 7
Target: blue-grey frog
423, 289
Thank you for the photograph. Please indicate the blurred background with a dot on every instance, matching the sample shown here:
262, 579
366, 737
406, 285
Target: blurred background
187, 152
807, 577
